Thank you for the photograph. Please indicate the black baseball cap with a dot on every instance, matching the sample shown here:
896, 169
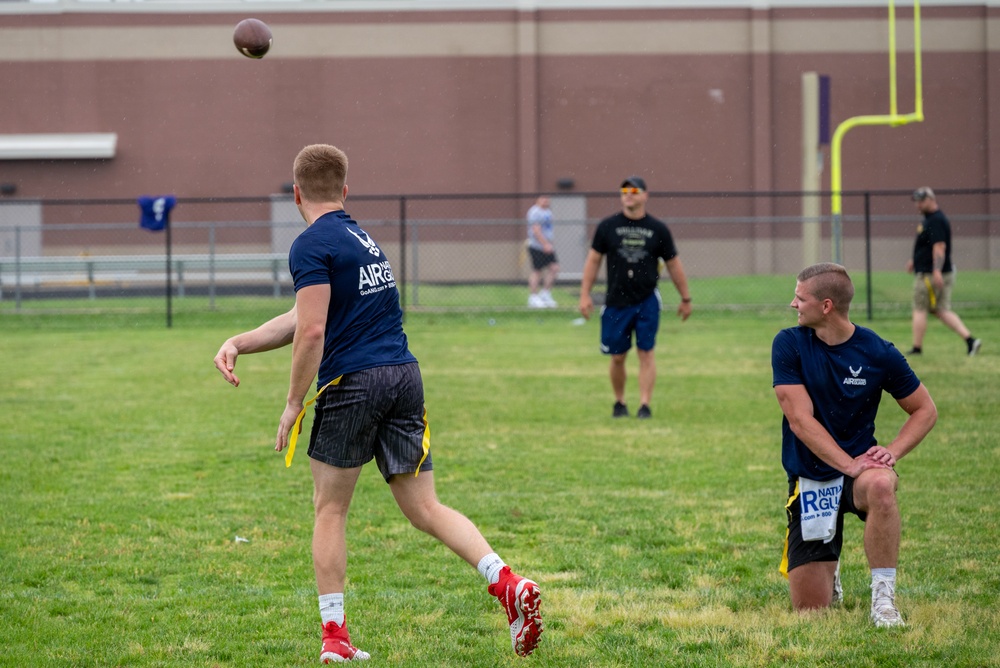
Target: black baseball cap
635, 182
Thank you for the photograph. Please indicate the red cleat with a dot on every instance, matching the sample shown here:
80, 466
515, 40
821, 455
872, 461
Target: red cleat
521, 601
337, 646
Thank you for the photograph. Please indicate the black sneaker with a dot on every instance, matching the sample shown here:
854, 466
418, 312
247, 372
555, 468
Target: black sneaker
644, 413
914, 351
620, 410
974, 346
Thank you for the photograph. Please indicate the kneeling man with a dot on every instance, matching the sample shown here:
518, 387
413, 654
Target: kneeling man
829, 375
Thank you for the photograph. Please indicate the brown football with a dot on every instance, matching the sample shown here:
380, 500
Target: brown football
252, 38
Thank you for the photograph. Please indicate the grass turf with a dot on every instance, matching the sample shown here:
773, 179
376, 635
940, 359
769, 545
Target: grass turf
131, 467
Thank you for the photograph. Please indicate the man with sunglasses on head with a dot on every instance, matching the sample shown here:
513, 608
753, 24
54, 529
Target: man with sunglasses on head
634, 243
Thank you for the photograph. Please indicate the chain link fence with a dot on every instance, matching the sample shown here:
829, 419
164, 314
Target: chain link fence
467, 252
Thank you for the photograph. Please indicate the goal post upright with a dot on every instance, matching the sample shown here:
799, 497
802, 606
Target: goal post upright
893, 118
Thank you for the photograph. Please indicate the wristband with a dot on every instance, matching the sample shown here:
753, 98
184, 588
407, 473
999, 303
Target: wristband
686, 300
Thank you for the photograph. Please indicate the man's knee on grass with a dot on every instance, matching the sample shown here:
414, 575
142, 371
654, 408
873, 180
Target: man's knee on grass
811, 585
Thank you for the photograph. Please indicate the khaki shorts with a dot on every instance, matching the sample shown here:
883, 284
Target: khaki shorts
922, 293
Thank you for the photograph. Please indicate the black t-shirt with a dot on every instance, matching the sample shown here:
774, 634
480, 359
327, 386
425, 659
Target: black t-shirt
935, 228
633, 248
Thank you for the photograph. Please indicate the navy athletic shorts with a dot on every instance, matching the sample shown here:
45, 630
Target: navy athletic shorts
618, 323
375, 413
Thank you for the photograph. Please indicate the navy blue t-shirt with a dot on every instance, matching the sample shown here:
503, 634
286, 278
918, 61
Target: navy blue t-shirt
364, 323
845, 383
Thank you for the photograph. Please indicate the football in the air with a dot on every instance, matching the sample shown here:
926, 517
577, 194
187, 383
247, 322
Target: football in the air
252, 38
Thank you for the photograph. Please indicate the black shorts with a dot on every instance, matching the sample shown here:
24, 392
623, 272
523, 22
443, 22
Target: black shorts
375, 413
540, 259
797, 551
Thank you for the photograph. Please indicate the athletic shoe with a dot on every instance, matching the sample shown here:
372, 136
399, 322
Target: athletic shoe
914, 351
521, 601
884, 612
620, 410
838, 590
536, 301
337, 646
547, 299
974, 347
644, 413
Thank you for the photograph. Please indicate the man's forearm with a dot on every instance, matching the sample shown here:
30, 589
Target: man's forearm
679, 278
590, 269
821, 444
275, 333
937, 255
307, 353
922, 418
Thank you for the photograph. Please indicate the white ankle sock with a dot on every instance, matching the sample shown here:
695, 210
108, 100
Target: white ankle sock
490, 566
884, 574
331, 608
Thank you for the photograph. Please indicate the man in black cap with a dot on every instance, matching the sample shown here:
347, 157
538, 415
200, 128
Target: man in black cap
634, 243
933, 273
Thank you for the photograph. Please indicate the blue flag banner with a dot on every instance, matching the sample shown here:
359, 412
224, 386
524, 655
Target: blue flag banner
155, 211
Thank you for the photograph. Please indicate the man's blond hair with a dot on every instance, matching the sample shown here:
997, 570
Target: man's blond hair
320, 171
829, 281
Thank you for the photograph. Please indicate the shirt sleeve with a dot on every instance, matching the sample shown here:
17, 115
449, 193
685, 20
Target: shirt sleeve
786, 365
306, 264
600, 238
668, 251
936, 229
900, 381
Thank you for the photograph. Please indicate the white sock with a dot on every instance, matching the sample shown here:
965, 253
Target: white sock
888, 574
331, 608
490, 566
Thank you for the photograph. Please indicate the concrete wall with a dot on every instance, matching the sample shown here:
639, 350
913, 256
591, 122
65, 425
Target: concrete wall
508, 99
493, 100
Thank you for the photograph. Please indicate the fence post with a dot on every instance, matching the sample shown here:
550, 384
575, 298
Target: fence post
416, 265
868, 249
17, 268
170, 306
402, 254
211, 267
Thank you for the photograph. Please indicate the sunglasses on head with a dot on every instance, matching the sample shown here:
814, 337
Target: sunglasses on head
631, 190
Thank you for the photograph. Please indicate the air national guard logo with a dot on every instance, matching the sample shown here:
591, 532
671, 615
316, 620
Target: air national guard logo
367, 243
854, 380
376, 276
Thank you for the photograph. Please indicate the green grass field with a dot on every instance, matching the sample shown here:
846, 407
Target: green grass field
975, 294
130, 467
